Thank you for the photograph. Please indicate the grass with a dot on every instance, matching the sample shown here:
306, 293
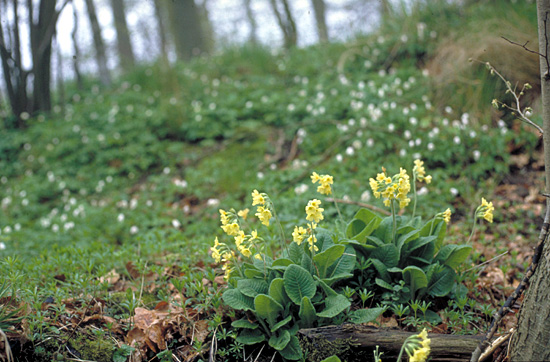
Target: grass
125, 183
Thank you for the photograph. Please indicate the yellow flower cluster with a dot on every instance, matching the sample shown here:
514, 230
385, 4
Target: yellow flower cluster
446, 215
313, 211
485, 210
420, 172
324, 183
243, 242
392, 188
262, 212
421, 354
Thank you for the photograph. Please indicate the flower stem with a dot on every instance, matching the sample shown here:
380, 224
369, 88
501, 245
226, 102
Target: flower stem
394, 231
473, 229
414, 193
339, 213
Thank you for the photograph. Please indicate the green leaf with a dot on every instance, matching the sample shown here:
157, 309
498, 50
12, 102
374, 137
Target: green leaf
334, 305
307, 313
453, 255
382, 283
298, 283
328, 257
326, 288
408, 234
441, 280
366, 315
384, 230
122, 353
436, 227
363, 224
381, 269
280, 340
244, 323
332, 359
292, 351
415, 278
249, 337
251, 272
345, 264
307, 263
387, 254
267, 308
295, 252
324, 240
237, 300
282, 323
252, 287
281, 263
336, 278
277, 291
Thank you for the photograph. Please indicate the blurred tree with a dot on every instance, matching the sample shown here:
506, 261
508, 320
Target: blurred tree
286, 22
76, 50
186, 26
160, 16
253, 37
319, 9
99, 45
124, 45
36, 96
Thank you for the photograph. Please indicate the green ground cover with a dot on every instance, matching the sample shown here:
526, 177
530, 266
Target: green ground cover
112, 201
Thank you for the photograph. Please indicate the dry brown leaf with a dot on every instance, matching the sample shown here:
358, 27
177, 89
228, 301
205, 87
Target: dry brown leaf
132, 270
111, 277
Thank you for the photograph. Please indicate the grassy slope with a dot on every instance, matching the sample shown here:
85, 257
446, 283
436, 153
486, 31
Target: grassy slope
137, 173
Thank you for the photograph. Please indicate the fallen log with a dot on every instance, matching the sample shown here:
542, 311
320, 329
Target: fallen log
364, 339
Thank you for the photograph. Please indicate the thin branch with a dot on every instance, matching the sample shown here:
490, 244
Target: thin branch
524, 46
496, 343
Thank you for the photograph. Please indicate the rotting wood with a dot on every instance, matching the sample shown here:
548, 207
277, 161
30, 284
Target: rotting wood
444, 347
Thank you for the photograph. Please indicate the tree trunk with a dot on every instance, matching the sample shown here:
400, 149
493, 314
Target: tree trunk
101, 58
186, 27
320, 19
124, 45
41, 49
76, 51
531, 341
159, 15
444, 347
252, 37
286, 22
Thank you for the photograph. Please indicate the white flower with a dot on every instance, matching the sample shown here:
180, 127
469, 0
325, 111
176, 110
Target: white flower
456, 140
300, 189
391, 127
365, 196
431, 146
213, 202
339, 158
120, 217
476, 154
134, 230
176, 224
2, 246
350, 151
423, 191
453, 191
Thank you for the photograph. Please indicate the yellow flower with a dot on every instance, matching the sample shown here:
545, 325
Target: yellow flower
258, 256
264, 215
239, 238
325, 182
231, 229
257, 198
298, 234
447, 216
311, 241
244, 213
485, 210
313, 211
396, 187
315, 177
215, 252
253, 235
420, 355
246, 252
224, 217
420, 172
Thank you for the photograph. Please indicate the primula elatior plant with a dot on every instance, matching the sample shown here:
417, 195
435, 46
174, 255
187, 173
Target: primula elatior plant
281, 295
405, 257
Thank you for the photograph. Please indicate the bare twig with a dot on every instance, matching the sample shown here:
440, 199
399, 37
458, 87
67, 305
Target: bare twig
7, 348
496, 343
487, 262
524, 46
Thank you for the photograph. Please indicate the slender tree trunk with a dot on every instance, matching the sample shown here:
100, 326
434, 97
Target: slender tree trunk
252, 37
532, 339
286, 22
76, 50
60, 78
385, 8
101, 58
124, 45
206, 26
159, 15
186, 27
319, 9
41, 46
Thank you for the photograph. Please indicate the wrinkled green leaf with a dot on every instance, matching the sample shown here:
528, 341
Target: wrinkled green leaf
280, 340
267, 308
366, 315
328, 257
298, 283
252, 287
237, 300
282, 323
334, 305
292, 351
307, 313
244, 323
250, 337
